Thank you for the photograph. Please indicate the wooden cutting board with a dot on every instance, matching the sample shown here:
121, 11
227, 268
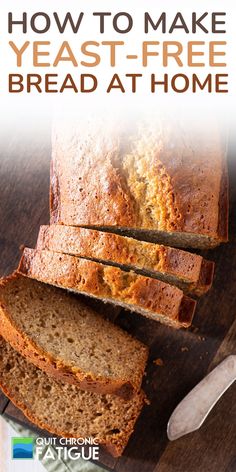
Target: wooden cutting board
186, 355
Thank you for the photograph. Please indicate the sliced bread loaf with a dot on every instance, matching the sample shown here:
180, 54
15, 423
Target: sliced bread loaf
154, 183
149, 297
60, 334
188, 271
64, 409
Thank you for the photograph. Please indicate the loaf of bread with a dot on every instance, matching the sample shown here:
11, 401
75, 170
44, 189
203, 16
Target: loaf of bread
64, 409
156, 184
64, 337
188, 271
147, 296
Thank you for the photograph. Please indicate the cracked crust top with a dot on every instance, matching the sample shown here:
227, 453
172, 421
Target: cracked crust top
153, 179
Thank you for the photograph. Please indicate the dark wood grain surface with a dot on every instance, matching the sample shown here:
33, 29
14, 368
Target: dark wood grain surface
187, 355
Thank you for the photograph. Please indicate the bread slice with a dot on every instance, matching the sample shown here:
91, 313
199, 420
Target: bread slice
155, 183
60, 334
149, 297
188, 271
64, 409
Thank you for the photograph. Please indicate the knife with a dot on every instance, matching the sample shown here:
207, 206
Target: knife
192, 411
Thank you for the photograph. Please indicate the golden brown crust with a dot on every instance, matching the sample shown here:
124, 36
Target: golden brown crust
104, 186
140, 184
175, 266
54, 197
12, 333
186, 310
145, 295
205, 278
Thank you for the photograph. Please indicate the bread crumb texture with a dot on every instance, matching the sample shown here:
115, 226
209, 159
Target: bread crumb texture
64, 409
63, 336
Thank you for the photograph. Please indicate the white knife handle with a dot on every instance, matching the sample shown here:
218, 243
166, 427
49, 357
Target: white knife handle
194, 408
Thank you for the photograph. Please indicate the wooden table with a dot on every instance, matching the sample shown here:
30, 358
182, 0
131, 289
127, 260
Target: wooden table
187, 355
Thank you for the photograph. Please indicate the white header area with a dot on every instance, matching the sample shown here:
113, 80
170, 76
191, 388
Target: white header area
120, 56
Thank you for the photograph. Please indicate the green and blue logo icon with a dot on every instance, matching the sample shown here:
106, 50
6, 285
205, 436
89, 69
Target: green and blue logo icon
22, 448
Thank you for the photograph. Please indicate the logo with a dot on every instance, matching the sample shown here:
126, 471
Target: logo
22, 448
55, 448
